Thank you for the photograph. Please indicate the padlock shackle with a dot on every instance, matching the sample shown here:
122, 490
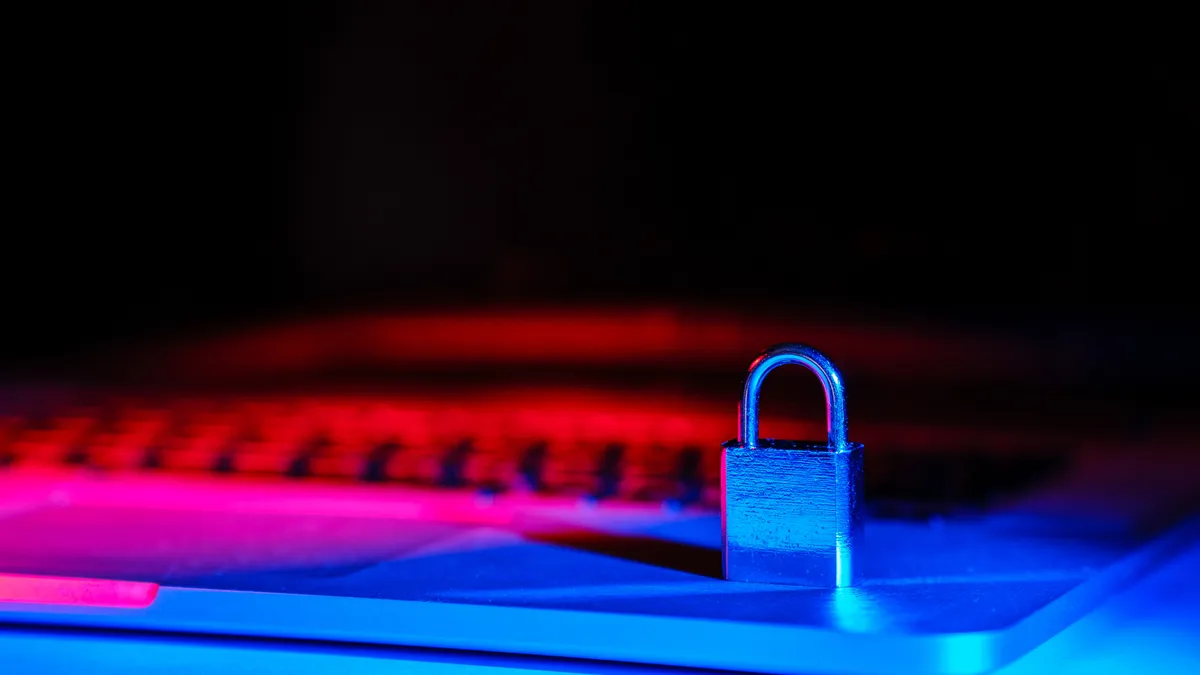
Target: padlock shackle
822, 367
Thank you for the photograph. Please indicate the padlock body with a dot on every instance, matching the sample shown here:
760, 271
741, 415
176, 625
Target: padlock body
791, 513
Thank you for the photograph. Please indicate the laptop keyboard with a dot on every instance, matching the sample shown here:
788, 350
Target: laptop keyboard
602, 449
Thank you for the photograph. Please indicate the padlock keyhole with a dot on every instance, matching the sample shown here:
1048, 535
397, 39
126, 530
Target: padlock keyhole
792, 405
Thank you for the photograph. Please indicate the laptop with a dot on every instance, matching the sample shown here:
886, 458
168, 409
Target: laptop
542, 492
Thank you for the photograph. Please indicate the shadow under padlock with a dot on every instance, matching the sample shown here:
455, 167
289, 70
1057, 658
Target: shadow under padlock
791, 511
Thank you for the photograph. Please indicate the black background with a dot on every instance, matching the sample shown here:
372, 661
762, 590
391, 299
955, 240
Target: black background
200, 165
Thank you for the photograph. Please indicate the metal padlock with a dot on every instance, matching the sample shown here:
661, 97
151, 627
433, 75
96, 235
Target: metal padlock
790, 510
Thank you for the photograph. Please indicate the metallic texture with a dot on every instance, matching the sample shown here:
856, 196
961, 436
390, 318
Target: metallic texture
791, 510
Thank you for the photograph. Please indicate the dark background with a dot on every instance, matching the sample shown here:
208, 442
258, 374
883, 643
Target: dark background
202, 165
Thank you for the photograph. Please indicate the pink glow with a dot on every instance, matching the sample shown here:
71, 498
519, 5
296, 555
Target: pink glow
76, 591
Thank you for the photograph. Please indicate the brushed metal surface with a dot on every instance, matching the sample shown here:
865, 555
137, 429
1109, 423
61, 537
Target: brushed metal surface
378, 565
790, 513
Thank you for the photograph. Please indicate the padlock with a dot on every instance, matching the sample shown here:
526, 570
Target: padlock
791, 510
